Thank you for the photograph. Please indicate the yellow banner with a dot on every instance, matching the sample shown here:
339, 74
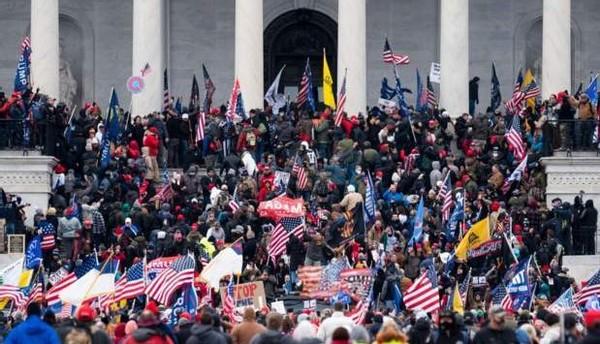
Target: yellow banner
328, 97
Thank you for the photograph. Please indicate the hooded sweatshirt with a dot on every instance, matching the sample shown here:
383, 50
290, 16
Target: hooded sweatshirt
33, 331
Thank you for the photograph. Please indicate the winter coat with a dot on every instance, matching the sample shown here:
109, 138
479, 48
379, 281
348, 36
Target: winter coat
206, 334
33, 331
151, 141
148, 336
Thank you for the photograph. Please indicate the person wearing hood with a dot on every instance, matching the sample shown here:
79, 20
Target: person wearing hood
588, 220
33, 330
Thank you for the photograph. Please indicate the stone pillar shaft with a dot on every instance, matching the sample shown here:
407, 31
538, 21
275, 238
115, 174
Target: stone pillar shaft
352, 53
454, 56
556, 49
249, 52
44, 47
148, 47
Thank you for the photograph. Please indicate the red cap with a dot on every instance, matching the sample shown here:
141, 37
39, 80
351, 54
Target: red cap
185, 315
154, 130
194, 227
153, 308
180, 217
60, 168
495, 206
86, 313
592, 317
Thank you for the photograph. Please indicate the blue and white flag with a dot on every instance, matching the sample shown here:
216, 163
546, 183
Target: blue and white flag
370, 198
458, 214
593, 303
240, 110
519, 287
418, 228
23, 72
274, 99
33, 255
592, 90
564, 304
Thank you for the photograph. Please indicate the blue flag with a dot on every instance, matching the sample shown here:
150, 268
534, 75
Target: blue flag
178, 107
113, 130
458, 214
419, 104
593, 303
400, 94
370, 198
187, 301
387, 92
519, 287
496, 98
239, 108
418, 228
592, 90
33, 256
23, 72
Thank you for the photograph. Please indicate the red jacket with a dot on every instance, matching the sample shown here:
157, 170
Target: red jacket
151, 141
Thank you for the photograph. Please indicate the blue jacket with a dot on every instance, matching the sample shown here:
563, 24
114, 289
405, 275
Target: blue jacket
33, 331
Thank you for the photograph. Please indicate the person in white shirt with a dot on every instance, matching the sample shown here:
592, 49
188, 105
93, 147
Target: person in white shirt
337, 319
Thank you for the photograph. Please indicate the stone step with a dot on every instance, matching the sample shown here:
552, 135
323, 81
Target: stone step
582, 267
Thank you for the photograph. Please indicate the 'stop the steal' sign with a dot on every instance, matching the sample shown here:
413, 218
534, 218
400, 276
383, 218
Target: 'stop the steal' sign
247, 295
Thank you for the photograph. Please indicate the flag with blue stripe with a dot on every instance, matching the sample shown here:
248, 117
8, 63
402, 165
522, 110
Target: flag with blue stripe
370, 198
519, 287
418, 227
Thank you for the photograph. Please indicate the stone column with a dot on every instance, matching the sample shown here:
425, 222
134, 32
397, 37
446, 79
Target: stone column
352, 53
454, 56
44, 46
148, 47
249, 52
556, 48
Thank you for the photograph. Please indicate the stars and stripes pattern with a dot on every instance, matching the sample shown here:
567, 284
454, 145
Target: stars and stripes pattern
515, 176
423, 294
501, 297
131, 284
88, 264
179, 274
445, 195
48, 239
390, 57
164, 194
234, 205
532, 90
25, 43
339, 115
410, 161
281, 235
592, 288
513, 136
360, 310
166, 96
564, 304
233, 100
65, 312
229, 308
305, 91
13, 293
300, 172
311, 279
513, 105
430, 94
210, 89
201, 119
204, 257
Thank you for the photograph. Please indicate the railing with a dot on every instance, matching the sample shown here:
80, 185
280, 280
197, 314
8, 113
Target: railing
21, 134
570, 135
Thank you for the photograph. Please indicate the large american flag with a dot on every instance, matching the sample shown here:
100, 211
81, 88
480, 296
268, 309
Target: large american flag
339, 115
445, 195
48, 239
311, 278
300, 172
179, 274
564, 304
90, 262
390, 57
13, 293
166, 96
305, 86
532, 90
501, 297
409, 163
513, 136
281, 235
131, 284
592, 288
35, 294
423, 294
359, 313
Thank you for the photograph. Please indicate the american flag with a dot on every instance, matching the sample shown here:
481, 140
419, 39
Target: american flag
445, 195
146, 70
229, 308
35, 294
409, 164
90, 262
431, 99
166, 96
305, 91
13, 293
300, 172
339, 115
66, 311
131, 284
515, 140
592, 288
48, 240
514, 104
210, 88
360, 310
310, 277
390, 57
180, 273
564, 304
233, 99
423, 294
281, 234
501, 297
532, 90
204, 257
515, 176
25, 43
463, 288
164, 194
201, 117
233, 205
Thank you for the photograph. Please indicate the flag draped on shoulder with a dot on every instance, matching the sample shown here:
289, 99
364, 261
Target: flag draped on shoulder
23, 73
495, 97
328, 96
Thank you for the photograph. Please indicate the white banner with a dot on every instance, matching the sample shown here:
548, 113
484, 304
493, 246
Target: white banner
434, 73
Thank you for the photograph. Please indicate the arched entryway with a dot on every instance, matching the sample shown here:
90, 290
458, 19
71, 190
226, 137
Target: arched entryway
290, 39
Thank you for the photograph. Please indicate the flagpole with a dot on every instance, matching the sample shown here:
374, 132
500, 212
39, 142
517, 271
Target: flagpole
98, 275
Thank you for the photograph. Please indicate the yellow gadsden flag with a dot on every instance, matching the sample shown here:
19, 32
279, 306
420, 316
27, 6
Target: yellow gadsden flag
328, 97
457, 303
477, 235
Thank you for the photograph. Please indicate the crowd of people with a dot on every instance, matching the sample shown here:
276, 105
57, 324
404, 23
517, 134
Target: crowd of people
399, 157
